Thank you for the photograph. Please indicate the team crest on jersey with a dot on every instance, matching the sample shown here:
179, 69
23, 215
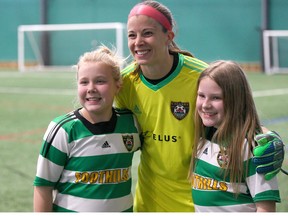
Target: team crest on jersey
222, 159
179, 109
128, 141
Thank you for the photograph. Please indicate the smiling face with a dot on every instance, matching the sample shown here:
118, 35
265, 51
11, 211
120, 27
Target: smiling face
209, 103
146, 40
96, 90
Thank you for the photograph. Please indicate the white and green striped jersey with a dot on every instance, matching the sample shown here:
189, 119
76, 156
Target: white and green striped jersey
212, 193
89, 165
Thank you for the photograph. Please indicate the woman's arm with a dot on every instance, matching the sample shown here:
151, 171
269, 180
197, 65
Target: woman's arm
266, 206
43, 199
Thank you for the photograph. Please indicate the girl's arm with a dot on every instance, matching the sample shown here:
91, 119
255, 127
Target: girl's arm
43, 199
266, 206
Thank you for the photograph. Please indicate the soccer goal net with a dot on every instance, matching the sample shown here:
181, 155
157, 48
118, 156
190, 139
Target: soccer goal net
57, 47
275, 47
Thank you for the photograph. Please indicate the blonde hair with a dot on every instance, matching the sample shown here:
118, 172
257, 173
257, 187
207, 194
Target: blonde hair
173, 47
105, 55
240, 119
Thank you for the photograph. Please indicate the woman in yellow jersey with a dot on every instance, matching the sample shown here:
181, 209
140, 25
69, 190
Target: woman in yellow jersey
159, 87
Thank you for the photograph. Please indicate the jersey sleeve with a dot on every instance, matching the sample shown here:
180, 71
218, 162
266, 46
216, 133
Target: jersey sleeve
52, 157
122, 99
261, 189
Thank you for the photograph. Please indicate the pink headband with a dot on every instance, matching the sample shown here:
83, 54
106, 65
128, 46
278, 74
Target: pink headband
151, 12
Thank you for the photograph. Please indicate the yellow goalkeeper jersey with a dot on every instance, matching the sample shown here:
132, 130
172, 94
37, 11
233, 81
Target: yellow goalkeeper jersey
165, 113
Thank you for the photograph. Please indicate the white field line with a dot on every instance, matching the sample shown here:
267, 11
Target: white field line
271, 92
37, 91
47, 91
40, 75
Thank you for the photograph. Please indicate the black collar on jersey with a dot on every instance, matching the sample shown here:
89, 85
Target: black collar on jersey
100, 127
175, 63
209, 132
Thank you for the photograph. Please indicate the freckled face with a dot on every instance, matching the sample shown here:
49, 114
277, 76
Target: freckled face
97, 88
209, 103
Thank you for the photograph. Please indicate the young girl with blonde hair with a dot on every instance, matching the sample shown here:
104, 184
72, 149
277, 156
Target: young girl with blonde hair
86, 156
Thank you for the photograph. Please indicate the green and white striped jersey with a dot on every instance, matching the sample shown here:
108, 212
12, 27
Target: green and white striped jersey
89, 165
212, 193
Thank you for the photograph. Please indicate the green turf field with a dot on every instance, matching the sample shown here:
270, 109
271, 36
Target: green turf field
29, 101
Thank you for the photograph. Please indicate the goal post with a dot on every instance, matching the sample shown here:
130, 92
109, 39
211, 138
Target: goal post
30, 57
275, 47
